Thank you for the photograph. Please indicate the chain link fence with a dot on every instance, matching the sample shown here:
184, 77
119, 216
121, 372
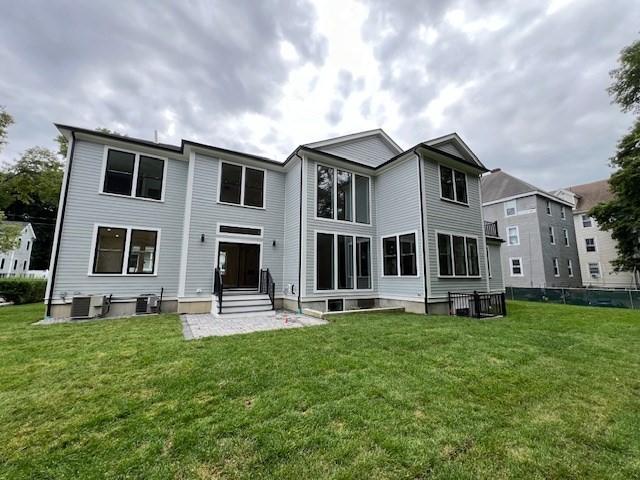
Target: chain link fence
578, 296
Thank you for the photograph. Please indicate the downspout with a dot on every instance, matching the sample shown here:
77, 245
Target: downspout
424, 258
300, 239
56, 255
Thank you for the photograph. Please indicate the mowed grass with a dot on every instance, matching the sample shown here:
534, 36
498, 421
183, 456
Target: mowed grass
549, 392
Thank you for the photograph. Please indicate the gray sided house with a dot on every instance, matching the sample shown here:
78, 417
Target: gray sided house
345, 223
540, 242
16, 262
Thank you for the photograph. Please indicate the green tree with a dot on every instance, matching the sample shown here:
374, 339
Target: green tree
621, 215
8, 233
5, 121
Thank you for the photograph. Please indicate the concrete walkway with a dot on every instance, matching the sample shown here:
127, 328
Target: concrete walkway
206, 325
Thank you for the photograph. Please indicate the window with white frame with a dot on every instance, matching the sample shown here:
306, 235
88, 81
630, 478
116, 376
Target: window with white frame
565, 234
586, 221
342, 195
513, 236
133, 175
548, 207
510, 208
457, 256
590, 244
594, 270
556, 267
453, 184
241, 185
563, 213
343, 262
552, 236
516, 267
399, 255
115, 244
570, 267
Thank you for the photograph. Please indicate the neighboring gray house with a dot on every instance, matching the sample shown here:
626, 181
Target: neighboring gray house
16, 262
344, 223
540, 242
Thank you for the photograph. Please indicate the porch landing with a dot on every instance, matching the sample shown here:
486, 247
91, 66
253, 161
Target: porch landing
206, 325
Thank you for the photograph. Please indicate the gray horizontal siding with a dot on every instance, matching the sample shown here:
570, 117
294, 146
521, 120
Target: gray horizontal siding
453, 218
291, 254
206, 212
495, 282
86, 207
371, 151
398, 207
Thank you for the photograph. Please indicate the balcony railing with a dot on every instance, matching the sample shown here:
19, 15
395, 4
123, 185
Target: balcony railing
491, 229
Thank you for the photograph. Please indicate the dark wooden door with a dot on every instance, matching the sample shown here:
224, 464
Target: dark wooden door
242, 265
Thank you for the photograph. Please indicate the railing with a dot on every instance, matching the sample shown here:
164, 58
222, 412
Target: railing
477, 305
491, 229
218, 287
268, 286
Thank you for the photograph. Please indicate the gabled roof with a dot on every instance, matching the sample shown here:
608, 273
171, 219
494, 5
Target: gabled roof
22, 225
452, 143
376, 132
588, 195
499, 186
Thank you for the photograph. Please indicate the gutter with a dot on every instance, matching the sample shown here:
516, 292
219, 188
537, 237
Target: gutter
300, 238
63, 208
424, 258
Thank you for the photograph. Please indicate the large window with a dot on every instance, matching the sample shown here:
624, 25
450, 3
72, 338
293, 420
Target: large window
114, 244
240, 185
513, 236
453, 184
399, 255
457, 256
122, 168
343, 262
340, 194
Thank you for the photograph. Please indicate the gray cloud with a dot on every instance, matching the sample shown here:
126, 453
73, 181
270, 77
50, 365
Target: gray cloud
334, 115
103, 64
347, 84
536, 104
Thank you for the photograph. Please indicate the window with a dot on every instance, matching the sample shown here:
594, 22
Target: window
586, 221
240, 185
237, 230
552, 236
556, 268
2, 264
548, 207
399, 254
594, 270
457, 256
563, 214
324, 261
338, 270
15, 264
335, 305
345, 196
363, 263
122, 168
510, 208
24, 265
347, 191
488, 263
453, 184
565, 234
570, 267
590, 244
111, 249
516, 267
513, 236
28, 245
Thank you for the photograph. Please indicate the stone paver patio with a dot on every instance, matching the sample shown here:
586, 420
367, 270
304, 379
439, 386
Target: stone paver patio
206, 325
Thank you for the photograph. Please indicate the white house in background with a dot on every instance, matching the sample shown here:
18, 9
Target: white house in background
596, 248
16, 262
344, 223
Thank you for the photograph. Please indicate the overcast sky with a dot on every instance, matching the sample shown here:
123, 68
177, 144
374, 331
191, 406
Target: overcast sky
523, 82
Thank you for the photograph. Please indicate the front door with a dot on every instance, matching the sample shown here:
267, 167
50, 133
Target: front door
241, 264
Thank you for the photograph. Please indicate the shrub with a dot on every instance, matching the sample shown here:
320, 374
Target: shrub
22, 290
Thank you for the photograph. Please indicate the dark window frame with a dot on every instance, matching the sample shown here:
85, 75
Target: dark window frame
335, 262
243, 185
155, 251
242, 230
135, 175
334, 195
451, 254
455, 175
395, 240
126, 251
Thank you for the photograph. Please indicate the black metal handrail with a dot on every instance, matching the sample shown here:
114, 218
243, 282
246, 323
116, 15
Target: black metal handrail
491, 229
268, 286
218, 288
477, 305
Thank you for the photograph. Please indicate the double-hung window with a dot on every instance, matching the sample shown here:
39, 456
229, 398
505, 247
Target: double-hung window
241, 185
590, 244
133, 175
556, 267
399, 255
594, 270
457, 256
563, 213
513, 236
570, 267
548, 207
516, 267
510, 208
125, 251
343, 262
342, 195
453, 185
586, 221
552, 236
565, 234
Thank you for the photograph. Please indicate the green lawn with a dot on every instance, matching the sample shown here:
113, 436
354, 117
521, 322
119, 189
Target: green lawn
551, 391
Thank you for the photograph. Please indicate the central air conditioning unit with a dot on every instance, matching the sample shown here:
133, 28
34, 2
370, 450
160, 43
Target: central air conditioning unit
146, 304
87, 306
